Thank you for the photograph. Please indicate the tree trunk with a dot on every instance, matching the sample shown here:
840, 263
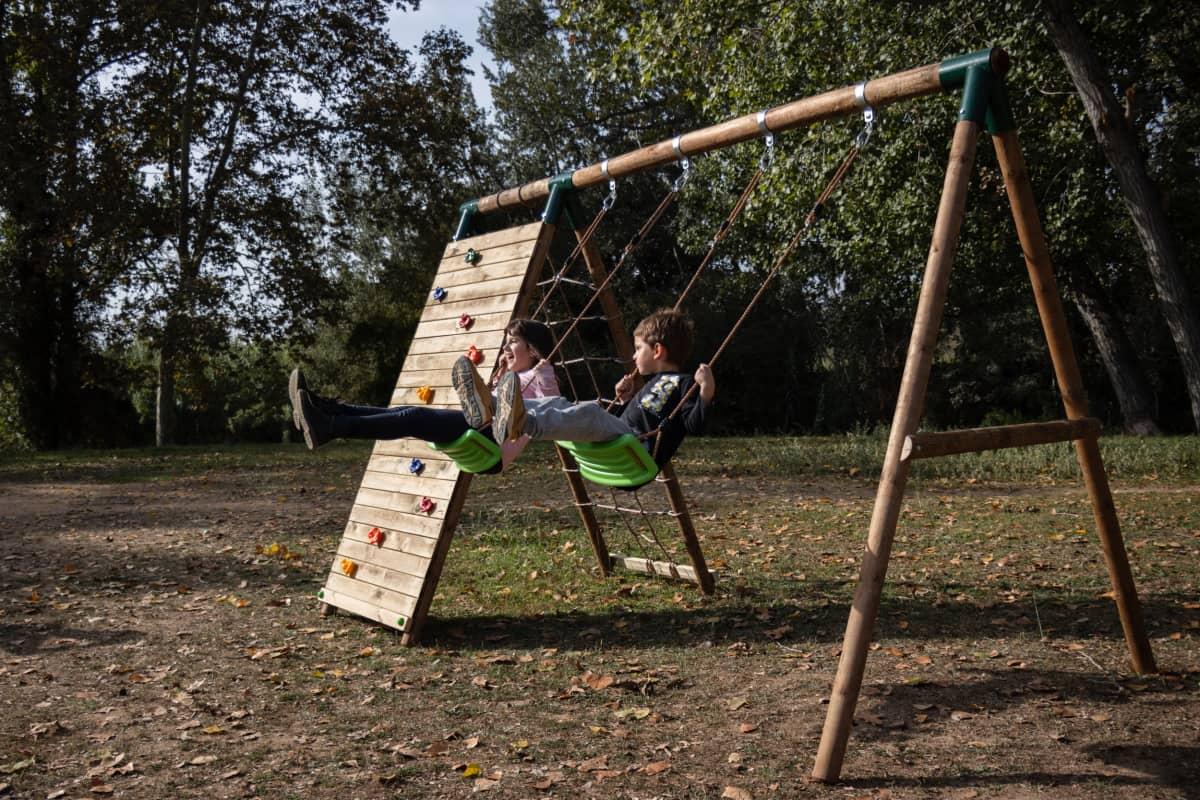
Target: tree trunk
1116, 351
1119, 145
164, 401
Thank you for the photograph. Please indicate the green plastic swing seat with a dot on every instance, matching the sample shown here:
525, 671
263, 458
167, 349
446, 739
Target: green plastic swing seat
622, 463
473, 452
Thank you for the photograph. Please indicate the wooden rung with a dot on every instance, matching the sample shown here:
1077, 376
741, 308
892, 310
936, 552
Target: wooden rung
973, 440
662, 569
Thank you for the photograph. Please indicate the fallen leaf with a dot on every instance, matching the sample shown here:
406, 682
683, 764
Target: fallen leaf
736, 793
598, 682
593, 764
747, 727
656, 767
199, 761
634, 713
472, 771
17, 766
735, 703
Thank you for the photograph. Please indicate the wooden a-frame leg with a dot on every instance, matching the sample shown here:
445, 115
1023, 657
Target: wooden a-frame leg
1066, 369
587, 510
692, 542
909, 408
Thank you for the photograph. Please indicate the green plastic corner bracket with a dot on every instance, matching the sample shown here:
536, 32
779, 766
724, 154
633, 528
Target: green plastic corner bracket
467, 213
978, 74
560, 188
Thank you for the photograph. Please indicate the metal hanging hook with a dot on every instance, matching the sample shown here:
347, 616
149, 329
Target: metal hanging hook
612, 186
681, 181
864, 135
612, 195
768, 157
684, 162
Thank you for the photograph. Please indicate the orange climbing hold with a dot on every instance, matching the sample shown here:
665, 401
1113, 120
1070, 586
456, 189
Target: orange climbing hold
425, 394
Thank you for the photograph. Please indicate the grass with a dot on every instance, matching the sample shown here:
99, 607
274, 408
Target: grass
994, 607
1171, 458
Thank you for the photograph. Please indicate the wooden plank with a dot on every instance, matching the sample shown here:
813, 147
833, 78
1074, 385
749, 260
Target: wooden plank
395, 562
484, 305
397, 603
477, 290
372, 571
489, 241
397, 540
478, 273
431, 362
661, 569
365, 609
408, 483
393, 465
459, 342
484, 322
408, 448
415, 524
437, 378
397, 501
974, 440
443, 397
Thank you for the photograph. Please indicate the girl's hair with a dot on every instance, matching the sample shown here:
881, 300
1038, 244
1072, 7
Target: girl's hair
536, 335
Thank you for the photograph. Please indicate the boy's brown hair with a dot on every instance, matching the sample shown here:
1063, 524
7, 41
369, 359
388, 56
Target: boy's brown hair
670, 328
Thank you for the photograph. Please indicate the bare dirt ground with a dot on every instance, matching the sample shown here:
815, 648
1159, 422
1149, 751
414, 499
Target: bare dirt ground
154, 645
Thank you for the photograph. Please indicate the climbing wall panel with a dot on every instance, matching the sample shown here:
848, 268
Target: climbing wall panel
391, 553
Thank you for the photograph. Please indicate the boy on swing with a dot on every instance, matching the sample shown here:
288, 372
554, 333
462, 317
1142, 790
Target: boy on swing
662, 342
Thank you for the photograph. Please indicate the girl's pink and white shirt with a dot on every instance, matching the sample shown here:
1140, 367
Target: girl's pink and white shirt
537, 381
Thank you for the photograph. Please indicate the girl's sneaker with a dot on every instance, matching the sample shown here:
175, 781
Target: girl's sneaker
472, 392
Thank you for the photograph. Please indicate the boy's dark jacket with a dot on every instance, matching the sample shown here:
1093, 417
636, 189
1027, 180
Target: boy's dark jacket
654, 402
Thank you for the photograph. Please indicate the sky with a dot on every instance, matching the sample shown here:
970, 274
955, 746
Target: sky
407, 28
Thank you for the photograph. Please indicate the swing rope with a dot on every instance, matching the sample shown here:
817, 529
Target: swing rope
810, 219
637, 239
588, 233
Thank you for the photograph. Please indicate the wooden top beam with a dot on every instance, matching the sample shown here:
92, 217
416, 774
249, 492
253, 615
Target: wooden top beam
877, 92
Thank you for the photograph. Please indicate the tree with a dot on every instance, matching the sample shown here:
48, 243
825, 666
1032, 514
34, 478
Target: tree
243, 105
71, 206
1142, 198
732, 59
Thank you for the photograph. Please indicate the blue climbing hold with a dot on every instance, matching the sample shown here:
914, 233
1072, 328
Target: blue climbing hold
439, 294
416, 466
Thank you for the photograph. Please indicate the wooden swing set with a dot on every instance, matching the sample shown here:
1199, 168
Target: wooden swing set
400, 527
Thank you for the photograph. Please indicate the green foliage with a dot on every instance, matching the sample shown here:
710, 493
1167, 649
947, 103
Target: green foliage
860, 280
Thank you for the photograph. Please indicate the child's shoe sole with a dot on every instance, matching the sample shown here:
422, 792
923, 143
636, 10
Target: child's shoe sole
296, 383
510, 409
472, 392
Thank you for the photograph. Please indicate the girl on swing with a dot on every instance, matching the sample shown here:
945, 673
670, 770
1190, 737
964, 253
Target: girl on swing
662, 342
522, 366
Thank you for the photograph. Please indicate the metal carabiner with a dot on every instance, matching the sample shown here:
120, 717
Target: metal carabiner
681, 181
864, 135
612, 195
768, 157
